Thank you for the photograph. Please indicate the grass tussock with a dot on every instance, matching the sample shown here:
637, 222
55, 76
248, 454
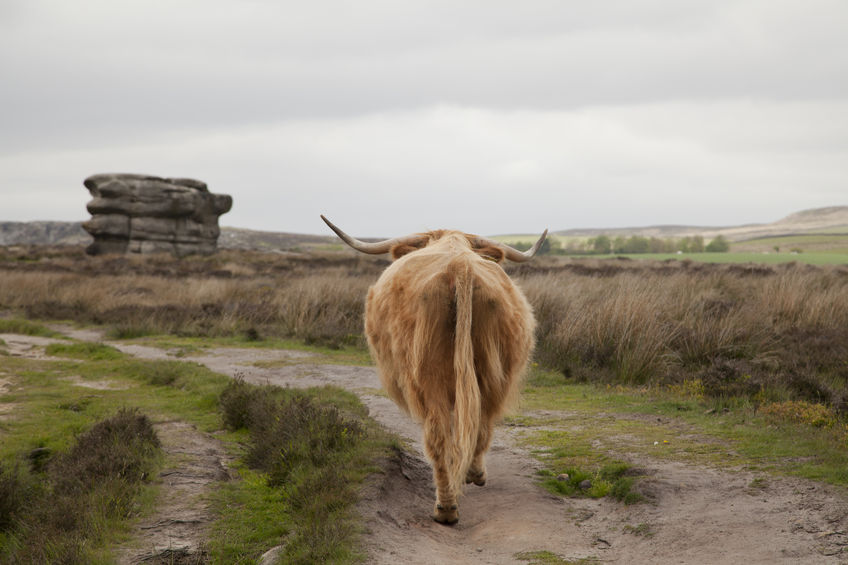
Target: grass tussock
313, 450
24, 327
86, 351
544, 557
61, 513
615, 480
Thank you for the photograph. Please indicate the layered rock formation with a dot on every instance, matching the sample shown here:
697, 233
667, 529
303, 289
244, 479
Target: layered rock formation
144, 214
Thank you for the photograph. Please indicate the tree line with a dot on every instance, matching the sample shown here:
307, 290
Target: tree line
606, 245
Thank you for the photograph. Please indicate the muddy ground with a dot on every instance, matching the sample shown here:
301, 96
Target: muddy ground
694, 514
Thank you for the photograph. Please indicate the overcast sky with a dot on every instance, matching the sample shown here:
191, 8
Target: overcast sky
395, 116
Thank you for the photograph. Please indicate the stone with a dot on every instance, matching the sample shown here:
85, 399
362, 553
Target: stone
146, 214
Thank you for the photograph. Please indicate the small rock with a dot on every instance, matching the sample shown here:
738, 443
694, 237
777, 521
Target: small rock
585, 484
562, 477
272, 555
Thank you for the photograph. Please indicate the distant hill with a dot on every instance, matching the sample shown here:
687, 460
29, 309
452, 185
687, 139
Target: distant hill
833, 220
43, 233
237, 238
71, 233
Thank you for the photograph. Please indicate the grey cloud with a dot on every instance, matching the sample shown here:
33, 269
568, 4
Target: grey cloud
409, 115
135, 69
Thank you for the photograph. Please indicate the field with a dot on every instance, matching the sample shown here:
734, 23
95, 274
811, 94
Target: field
730, 378
815, 247
834, 243
766, 257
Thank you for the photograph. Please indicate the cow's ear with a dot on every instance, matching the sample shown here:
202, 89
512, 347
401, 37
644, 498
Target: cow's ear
491, 253
402, 249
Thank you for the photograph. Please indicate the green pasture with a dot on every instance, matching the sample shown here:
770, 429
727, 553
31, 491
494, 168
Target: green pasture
771, 258
814, 249
586, 426
812, 243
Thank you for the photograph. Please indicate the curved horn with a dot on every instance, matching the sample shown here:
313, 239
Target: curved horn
514, 254
371, 248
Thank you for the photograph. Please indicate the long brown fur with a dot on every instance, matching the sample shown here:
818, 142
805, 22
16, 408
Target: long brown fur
451, 335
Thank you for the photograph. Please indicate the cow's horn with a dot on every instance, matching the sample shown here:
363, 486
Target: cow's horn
372, 248
514, 254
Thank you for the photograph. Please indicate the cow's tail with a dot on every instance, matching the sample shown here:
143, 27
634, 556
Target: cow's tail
467, 404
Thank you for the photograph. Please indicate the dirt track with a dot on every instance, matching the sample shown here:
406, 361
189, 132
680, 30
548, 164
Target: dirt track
696, 515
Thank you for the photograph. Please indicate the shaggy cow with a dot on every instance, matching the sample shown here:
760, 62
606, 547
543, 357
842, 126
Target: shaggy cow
451, 335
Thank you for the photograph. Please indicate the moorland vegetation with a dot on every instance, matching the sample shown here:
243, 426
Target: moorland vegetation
761, 333
765, 346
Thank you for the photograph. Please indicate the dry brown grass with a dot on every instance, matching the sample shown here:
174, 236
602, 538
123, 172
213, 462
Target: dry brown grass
768, 333
764, 333
318, 299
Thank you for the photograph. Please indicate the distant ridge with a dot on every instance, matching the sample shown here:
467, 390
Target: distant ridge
71, 233
43, 233
832, 219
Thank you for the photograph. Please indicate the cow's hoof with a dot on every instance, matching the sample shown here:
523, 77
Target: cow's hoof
446, 515
476, 477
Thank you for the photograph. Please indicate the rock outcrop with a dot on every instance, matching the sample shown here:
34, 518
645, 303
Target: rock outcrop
144, 214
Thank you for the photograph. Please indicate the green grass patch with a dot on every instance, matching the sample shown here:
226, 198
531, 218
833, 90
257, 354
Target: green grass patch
85, 350
50, 407
642, 530
130, 331
613, 479
593, 423
25, 327
545, 557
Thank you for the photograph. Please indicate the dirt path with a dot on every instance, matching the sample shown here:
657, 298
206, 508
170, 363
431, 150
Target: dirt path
176, 531
696, 515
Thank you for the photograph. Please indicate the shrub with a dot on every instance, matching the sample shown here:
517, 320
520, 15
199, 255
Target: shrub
800, 412
61, 519
245, 406
304, 444
302, 432
119, 448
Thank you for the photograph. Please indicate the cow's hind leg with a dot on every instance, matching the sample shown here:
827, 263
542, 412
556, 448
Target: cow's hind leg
477, 470
436, 446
